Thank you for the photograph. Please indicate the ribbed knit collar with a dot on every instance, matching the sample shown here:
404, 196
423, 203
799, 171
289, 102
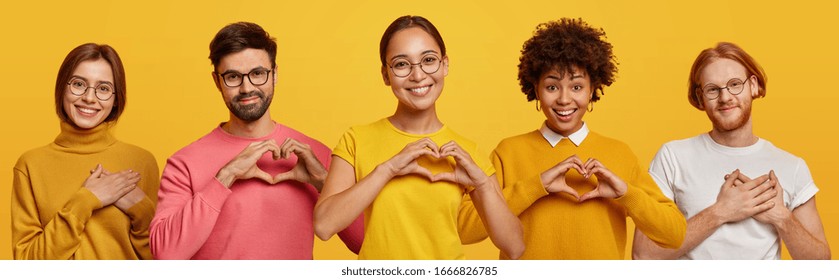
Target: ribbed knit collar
85, 141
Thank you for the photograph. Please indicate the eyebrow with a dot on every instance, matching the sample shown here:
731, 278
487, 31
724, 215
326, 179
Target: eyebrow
406, 56
237, 72
86, 81
573, 76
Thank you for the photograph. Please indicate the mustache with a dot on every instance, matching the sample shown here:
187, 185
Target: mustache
249, 95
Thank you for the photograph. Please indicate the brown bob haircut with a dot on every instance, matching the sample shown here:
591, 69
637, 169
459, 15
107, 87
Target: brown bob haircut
723, 50
88, 52
564, 44
405, 22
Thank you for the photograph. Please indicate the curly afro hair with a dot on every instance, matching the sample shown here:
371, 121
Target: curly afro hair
564, 44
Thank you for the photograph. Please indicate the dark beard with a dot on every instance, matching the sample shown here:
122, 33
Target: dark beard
250, 112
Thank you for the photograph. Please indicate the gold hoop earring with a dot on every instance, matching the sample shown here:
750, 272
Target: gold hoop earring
538, 106
590, 106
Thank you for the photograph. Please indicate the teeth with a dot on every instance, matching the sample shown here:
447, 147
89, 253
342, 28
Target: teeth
420, 90
87, 110
565, 112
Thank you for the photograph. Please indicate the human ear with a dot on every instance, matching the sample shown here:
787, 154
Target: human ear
216, 80
384, 76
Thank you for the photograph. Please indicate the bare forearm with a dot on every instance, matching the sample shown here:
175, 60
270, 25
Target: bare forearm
338, 211
699, 228
504, 228
802, 245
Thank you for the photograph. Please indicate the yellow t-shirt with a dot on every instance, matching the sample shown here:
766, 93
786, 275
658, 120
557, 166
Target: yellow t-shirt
411, 218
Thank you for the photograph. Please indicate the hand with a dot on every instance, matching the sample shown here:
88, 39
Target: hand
466, 172
109, 188
553, 179
609, 185
778, 212
129, 199
405, 162
308, 168
243, 166
741, 197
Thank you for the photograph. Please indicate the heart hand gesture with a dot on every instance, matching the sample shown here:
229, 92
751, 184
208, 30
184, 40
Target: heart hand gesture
466, 172
308, 168
405, 162
609, 185
243, 166
553, 179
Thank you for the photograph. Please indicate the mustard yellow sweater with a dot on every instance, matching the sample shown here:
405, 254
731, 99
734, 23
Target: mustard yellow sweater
558, 227
53, 216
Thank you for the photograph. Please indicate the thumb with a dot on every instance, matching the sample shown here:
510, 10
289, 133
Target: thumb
571, 192
283, 176
589, 195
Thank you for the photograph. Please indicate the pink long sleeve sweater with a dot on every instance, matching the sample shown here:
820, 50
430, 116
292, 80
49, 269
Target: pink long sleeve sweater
198, 218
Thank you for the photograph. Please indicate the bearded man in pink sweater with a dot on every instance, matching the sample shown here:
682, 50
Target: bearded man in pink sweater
248, 188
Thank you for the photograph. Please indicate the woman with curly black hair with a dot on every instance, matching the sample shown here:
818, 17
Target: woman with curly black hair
573, 188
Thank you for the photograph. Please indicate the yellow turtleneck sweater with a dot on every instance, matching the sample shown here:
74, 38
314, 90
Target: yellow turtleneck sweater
54, 216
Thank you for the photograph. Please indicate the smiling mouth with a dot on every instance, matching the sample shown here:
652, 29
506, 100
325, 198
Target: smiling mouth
564, 114
87, 111
420, 91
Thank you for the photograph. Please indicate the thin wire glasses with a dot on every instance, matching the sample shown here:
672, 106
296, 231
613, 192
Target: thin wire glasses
79, 87
403, 67
734, 86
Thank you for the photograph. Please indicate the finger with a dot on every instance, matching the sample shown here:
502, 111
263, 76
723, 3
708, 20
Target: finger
283, 177
764, 187
445, 176
589, 195
742, 177
262, 175
426, 143
571, 192
774, 178
756, 182
729, 180
97, 171
422, 171
763, 207
765, 196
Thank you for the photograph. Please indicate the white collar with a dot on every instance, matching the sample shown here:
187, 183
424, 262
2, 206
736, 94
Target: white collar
553, 138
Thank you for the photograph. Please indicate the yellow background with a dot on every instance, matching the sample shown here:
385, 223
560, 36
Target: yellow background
329, 73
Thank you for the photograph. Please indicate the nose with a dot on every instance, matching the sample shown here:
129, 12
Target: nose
725, 95
247, 85
564, 97
89, 95
416, 73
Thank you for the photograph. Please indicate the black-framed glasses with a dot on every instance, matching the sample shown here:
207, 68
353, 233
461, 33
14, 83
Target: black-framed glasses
257, 77
79, 87
403, 67
734, 86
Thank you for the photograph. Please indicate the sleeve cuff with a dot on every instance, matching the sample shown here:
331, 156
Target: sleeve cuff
82, 204
215, 195
141, 214
631, 198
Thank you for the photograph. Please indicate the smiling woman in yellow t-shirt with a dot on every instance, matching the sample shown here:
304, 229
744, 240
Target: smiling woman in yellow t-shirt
409, 173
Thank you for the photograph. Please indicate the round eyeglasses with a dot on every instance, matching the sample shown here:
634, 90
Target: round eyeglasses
402, 67
79, 87
257, 77
734, 86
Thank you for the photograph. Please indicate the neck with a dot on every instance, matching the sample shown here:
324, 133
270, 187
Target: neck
254, 129
416, 121
739, 137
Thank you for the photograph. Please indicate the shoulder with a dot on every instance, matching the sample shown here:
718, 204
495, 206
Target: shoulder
781, 154
134, 151
514, 142
199, 147
288, 132
614, 145
31, 156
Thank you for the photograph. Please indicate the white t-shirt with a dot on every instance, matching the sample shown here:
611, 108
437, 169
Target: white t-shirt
691, 172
